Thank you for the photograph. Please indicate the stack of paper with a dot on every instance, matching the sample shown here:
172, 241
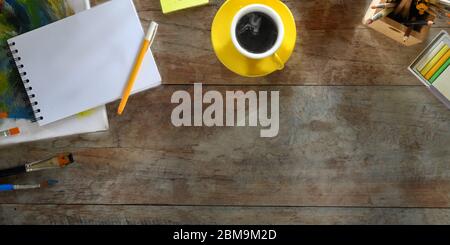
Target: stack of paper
89, 56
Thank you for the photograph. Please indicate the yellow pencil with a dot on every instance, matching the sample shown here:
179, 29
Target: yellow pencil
438, 65
137, 66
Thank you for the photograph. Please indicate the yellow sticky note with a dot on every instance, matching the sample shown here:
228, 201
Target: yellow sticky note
174, 5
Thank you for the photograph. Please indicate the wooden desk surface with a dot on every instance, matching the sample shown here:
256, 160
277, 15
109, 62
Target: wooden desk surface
374, 152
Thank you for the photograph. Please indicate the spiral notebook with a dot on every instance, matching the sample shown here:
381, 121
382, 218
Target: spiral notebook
82, 61
87, 122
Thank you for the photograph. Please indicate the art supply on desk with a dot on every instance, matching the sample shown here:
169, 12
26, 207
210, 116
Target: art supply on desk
384, 5
408, 22
407, 33
440, 71
19, 17
404, 8
42, 185
59, 161
169, 6
379, 15
88, 60
420, 23
441, 52
146, 44
445, 2
10, 132
432, 67
437, 66
94, 121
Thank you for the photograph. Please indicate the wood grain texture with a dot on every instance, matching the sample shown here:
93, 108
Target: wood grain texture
333, 47
337, 146
371, 153
189, 215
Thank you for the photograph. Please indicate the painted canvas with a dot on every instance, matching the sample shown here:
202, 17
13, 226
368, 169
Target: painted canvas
17, 17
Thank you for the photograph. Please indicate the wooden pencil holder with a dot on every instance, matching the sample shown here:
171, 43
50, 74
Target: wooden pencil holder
394, 29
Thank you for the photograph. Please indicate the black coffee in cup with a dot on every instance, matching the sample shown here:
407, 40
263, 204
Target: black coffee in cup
256, 32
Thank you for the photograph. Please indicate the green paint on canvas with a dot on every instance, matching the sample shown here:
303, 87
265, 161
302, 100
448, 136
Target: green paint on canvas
17, 17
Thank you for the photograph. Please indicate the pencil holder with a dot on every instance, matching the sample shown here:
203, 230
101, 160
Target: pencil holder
395, 30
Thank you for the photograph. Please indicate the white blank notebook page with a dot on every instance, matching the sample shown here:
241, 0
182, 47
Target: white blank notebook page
84, 61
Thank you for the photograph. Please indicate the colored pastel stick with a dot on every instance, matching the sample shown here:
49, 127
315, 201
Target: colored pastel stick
440, 71
438, 65
3, 115
424, 60
434, 60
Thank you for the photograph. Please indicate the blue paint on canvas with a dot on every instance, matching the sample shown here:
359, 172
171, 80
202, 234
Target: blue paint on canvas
17, 17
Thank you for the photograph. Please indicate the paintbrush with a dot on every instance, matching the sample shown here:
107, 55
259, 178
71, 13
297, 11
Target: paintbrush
419, 23
445, 2
383, 13
60, 161
10, 132
384, 5
44, 184
403, 8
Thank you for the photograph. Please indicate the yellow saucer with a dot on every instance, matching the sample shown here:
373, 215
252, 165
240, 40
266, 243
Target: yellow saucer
230, 56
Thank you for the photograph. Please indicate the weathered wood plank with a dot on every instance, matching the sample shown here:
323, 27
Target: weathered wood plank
337, 146
210, 215
333, 47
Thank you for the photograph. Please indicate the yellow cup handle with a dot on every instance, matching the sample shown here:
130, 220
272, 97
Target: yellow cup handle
278, 61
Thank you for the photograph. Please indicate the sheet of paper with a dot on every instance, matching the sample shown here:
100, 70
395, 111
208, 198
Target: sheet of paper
91, 121
175, 5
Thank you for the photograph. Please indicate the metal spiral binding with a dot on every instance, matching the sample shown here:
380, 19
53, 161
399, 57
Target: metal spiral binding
15, 59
